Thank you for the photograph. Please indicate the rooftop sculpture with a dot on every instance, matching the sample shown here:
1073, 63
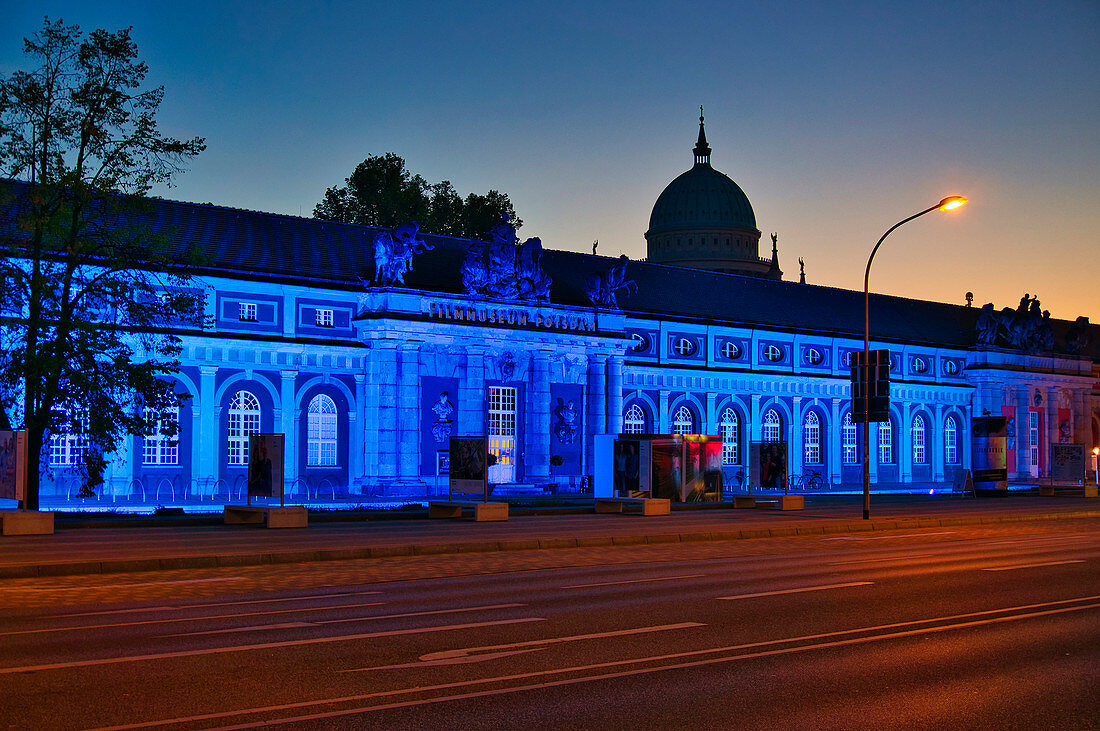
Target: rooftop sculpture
503, 267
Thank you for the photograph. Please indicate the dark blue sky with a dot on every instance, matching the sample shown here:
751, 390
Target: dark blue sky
837, 119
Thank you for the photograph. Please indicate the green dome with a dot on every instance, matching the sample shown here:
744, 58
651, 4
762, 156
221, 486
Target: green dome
701, 198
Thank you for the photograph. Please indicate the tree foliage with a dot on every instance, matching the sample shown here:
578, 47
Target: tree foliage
382, 192
89, 298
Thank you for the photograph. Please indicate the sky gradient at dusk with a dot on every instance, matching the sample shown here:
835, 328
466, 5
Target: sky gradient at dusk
837, 120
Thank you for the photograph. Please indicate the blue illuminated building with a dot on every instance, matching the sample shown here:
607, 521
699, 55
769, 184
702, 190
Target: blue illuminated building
368, 348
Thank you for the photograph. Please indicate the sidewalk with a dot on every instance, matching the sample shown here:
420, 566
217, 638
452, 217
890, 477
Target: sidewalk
141, 548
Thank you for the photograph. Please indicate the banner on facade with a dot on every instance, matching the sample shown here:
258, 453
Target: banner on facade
13, 464
265, 465
469, 466
989, 452
1067, 462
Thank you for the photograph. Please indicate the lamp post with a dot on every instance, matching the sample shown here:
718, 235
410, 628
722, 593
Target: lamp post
949, 203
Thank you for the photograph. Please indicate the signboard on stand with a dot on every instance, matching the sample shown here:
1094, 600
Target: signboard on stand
265, 465
989, 453
13, 464
1067, 462
469, 466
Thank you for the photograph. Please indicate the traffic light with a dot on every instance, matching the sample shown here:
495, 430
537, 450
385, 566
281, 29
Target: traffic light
874, 376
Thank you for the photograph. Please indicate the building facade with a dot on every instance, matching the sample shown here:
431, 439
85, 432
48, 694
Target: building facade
368, 349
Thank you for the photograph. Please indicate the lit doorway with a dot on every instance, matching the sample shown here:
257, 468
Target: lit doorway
502, 433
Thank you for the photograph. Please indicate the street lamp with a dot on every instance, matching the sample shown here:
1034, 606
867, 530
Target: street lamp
949, 203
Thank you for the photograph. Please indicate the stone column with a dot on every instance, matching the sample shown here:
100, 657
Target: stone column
286, 420
206, 446
710, 424
597, 405
796, 456
536, 467
356, 421
836, 442
120, 470
384, 386
1023, 434
1053, 398
408, 414
471, 405
935, 436
755, 430
905, 443
662, 412
615, 394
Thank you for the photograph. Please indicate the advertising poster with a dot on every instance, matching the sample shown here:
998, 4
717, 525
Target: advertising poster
13, 464
628, 467
989, 452
1067, 462
773, 464
265, 465
469, 458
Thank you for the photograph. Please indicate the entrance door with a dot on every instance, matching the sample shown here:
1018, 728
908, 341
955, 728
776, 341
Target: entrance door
502, 433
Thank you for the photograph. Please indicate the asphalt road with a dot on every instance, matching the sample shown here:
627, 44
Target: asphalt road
966, 627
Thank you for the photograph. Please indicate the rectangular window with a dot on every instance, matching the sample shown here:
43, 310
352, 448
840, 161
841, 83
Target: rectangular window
162, 444
849, 443
885, 443
69, 447
1033, 436
246, 312
322, 318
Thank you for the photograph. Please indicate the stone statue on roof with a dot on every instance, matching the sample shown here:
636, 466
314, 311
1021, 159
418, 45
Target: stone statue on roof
394, 252
602, 288
503, 267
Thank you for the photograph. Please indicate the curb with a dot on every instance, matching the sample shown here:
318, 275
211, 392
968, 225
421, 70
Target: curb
110, 566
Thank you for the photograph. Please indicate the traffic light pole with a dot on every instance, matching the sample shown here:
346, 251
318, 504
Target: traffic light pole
865, 374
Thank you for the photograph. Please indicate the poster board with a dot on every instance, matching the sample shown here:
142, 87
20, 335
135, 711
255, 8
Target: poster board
989, 452
13, 464
469, 470
265, 465
768, 465
1067, 462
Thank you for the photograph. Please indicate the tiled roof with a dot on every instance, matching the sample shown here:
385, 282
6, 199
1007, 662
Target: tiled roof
249, 243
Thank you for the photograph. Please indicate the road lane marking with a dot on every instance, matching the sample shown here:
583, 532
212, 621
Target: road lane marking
634, 581
615, 663
369, 617
466, 654
797, 591
886, 538
1033, 565
85, 627
82, 587
888, 558
201, 605
263, 646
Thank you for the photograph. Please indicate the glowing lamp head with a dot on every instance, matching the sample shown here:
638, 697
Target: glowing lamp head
952, 202
1096, 450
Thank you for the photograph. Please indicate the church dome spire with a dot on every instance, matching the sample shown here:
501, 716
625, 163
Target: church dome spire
702, 149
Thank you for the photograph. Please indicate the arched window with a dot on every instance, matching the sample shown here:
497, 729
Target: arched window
885, 443
68, 447
849, 442
321, 432
634, 420
162, 442
728, 427
950, 441
919, 455
771, 426
683, 421
811, 438
244, 419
